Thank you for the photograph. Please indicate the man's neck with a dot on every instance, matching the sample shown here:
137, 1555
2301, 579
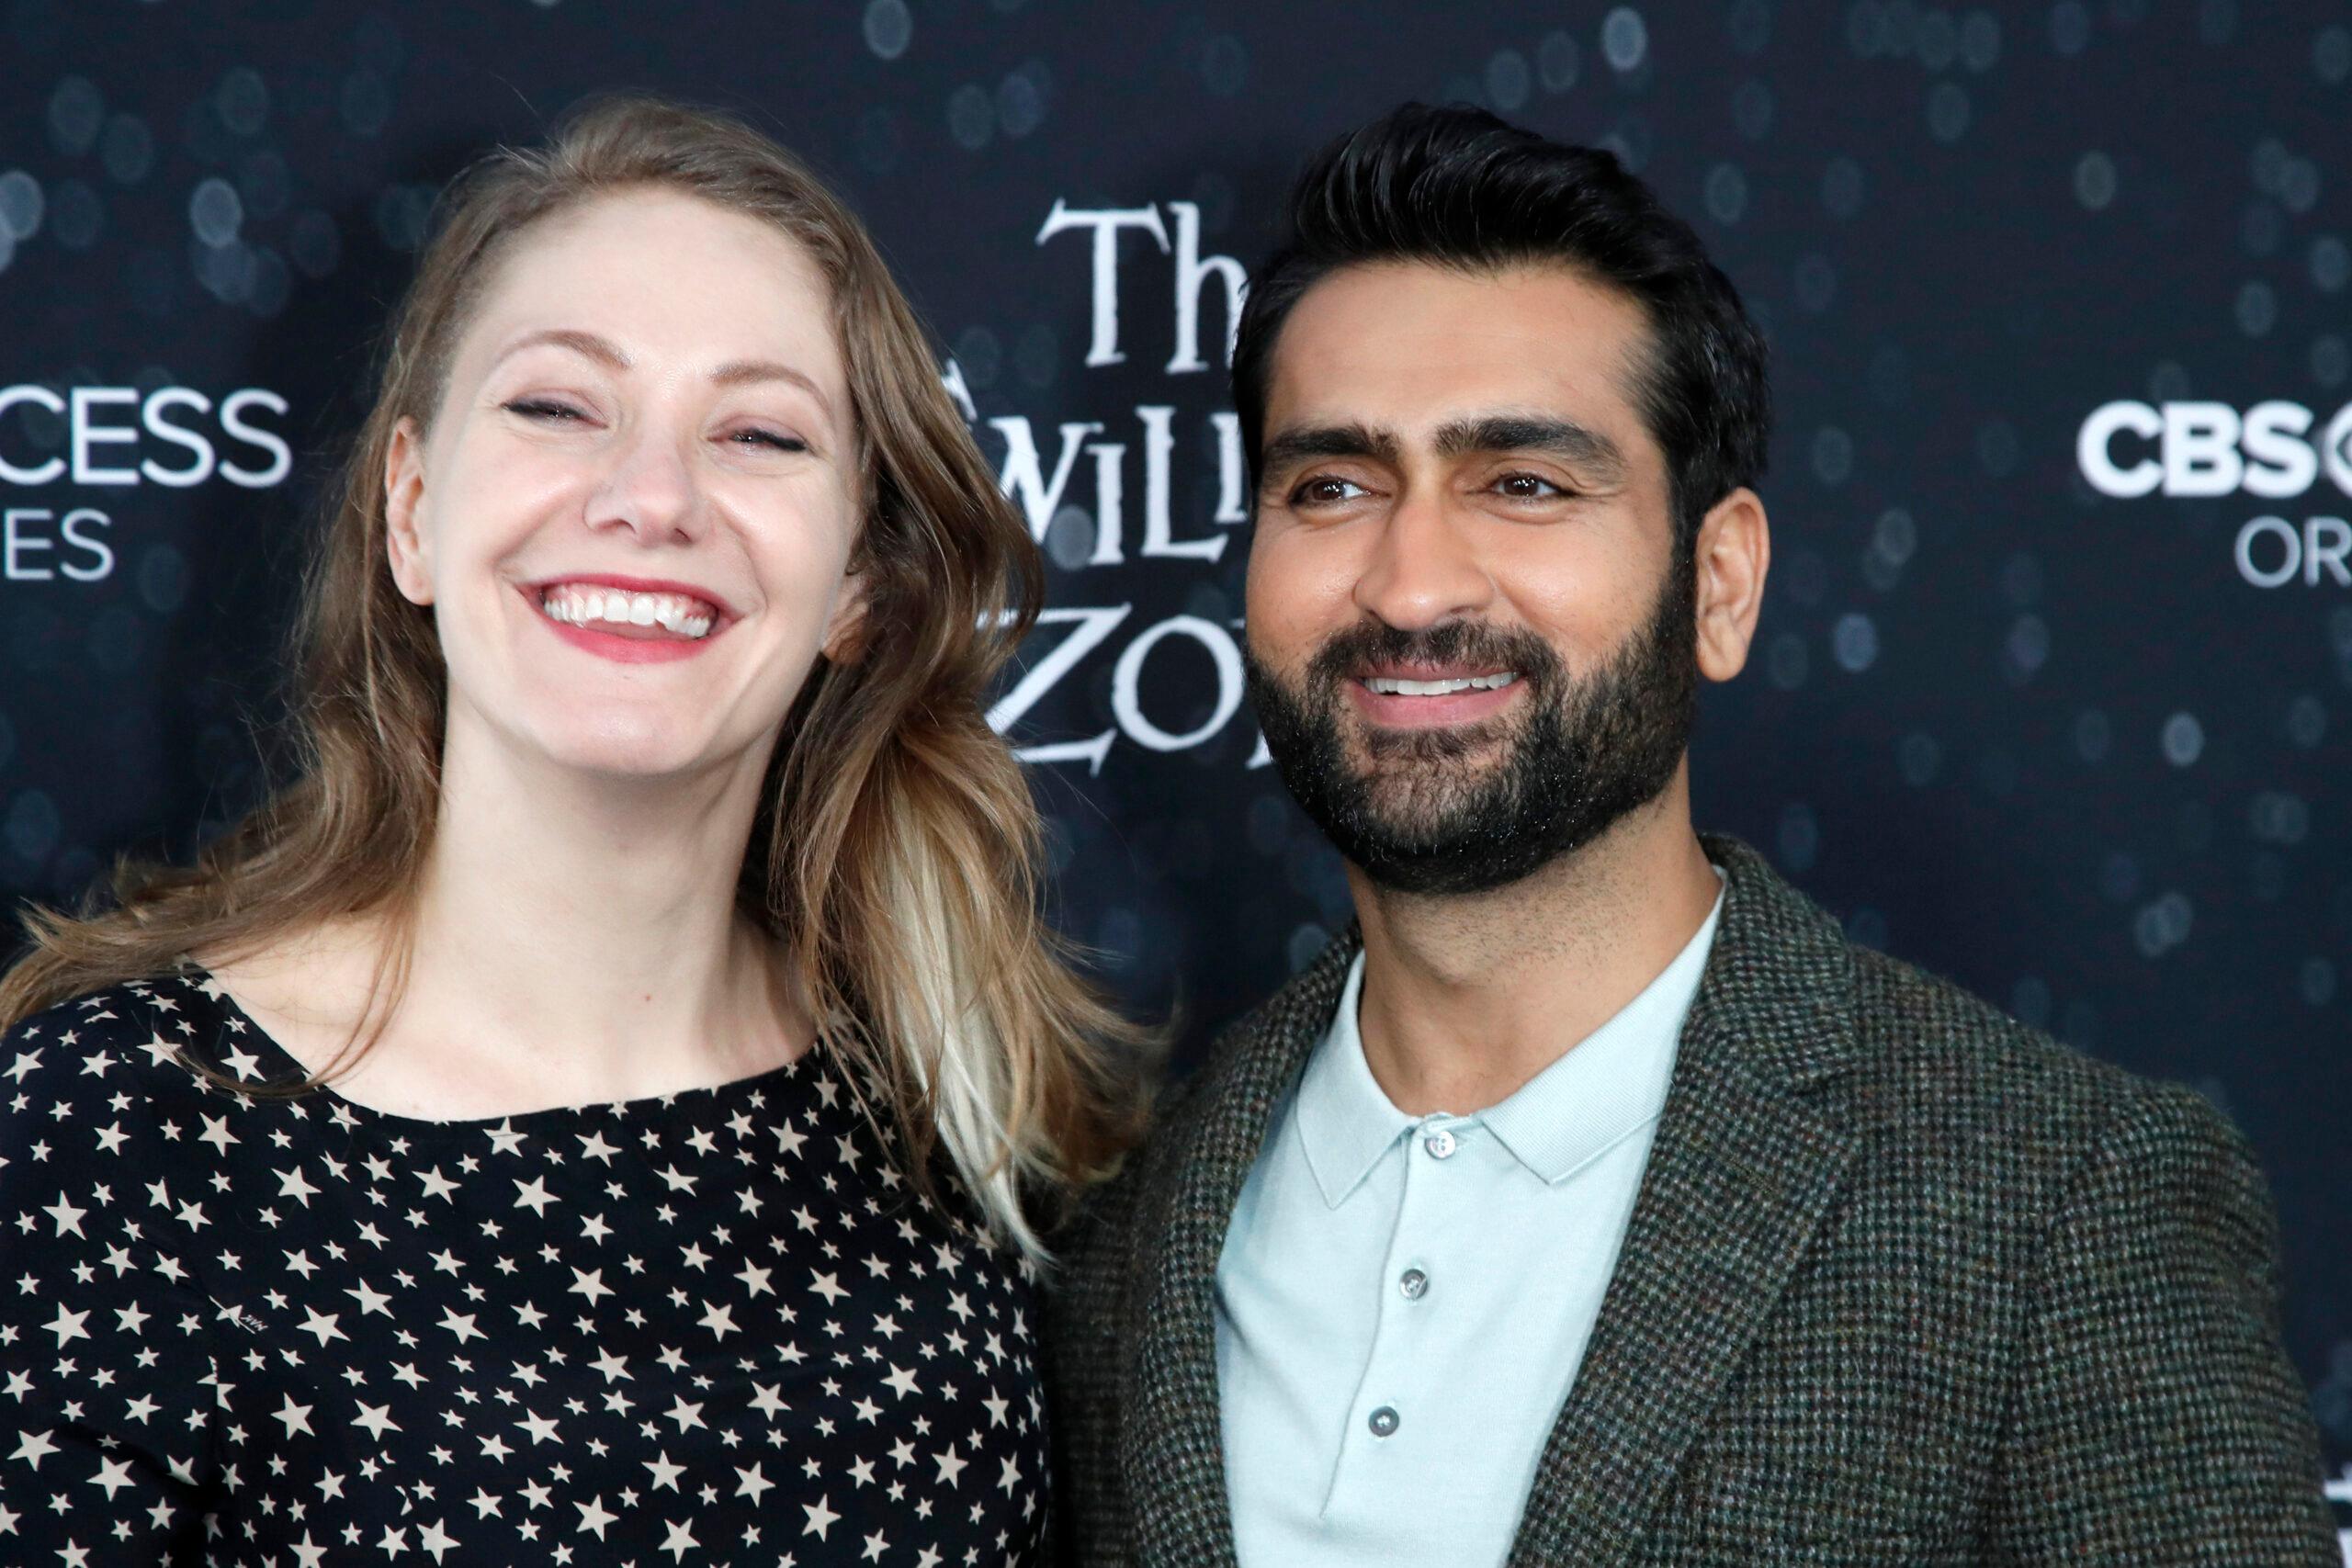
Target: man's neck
1467, 997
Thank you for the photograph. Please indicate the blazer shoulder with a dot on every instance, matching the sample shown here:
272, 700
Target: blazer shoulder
1937, 1063
1098, 1242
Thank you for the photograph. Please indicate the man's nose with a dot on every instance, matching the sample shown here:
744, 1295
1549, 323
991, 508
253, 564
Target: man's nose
1425, 568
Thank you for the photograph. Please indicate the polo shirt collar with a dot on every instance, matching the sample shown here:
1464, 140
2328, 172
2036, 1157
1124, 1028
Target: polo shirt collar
1345, 1120
1609, 1086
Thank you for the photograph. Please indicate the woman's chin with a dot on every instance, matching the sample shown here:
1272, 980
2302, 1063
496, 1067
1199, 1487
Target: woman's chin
635, 757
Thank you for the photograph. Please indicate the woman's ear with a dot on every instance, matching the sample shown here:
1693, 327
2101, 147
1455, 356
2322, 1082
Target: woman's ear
845, 631
407, 541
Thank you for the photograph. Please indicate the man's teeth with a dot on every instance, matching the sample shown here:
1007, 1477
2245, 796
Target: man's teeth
1394, 686
672, 612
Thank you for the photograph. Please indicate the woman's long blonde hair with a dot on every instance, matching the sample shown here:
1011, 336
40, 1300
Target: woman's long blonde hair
894, 853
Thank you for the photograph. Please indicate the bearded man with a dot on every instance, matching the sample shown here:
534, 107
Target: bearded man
1594, 1201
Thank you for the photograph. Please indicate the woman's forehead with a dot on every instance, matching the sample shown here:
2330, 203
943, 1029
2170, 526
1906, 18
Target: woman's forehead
665, 273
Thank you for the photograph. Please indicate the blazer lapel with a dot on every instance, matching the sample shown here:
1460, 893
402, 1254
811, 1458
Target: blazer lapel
1172, 1440
1741, 1174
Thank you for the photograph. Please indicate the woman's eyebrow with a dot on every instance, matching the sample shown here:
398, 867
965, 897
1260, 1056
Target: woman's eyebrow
601, 349
747, 372
734, 373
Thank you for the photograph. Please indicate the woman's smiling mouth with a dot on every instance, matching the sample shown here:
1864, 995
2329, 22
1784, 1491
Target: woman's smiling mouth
628, 622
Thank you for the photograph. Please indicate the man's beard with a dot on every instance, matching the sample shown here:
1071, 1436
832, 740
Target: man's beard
1578, 755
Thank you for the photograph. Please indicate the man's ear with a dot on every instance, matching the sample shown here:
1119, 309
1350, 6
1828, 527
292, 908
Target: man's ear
845, 631
1731, 556
407, 542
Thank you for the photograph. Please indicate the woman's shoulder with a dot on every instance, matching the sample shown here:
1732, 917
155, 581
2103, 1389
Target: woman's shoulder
145, 1038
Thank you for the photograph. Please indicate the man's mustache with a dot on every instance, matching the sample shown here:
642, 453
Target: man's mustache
1369, 644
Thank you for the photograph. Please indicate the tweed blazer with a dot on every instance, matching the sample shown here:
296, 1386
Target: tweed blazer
1905, 1283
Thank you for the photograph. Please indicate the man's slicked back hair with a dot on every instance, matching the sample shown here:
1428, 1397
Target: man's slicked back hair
1458, 188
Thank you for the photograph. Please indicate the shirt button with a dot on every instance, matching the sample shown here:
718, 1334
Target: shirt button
1439, 1144
1385, 1421
1413, 1283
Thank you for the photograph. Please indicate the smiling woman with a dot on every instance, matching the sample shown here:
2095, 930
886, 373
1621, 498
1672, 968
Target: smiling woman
641, 980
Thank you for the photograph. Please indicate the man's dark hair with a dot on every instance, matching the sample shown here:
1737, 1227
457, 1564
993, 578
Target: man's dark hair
1458, 188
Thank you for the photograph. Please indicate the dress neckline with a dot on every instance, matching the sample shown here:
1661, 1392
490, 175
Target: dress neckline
263, 1060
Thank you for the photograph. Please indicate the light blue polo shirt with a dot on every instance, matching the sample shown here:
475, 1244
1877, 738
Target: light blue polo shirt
1402, 1302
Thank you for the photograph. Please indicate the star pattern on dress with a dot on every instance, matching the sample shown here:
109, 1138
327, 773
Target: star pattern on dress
718, 1328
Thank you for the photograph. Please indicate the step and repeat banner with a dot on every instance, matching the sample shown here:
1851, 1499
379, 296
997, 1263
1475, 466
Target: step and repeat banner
2053, 691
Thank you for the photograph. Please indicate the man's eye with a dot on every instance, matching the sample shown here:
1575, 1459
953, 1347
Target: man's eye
1326, 490
1528, 487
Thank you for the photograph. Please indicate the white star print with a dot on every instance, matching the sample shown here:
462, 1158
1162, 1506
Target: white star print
113, 1476
592, 1516
291, 1184
322, 1325
356, 1271
377, 1418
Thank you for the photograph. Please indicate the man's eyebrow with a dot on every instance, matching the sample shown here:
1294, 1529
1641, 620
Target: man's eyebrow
1305, 443
1579, 445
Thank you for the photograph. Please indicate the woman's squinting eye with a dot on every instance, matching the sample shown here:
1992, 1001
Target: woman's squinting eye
542, 407
775, 439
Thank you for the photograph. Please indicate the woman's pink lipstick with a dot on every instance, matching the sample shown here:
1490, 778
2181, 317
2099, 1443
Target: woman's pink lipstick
624, 643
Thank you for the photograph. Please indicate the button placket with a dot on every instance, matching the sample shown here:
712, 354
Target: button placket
1395, 1372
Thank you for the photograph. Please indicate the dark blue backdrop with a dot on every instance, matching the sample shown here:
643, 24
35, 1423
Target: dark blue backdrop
2065, 718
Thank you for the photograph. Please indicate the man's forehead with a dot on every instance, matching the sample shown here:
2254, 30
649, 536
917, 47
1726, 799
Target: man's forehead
1405, 300
1413, 347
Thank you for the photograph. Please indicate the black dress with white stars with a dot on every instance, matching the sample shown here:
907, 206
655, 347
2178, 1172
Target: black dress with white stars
714, 1329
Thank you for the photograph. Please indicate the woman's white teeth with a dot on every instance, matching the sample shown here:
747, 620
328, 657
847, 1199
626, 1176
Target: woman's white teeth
1394, 686
670, 611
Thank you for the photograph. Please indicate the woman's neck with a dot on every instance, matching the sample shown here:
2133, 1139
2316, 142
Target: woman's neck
573, 940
